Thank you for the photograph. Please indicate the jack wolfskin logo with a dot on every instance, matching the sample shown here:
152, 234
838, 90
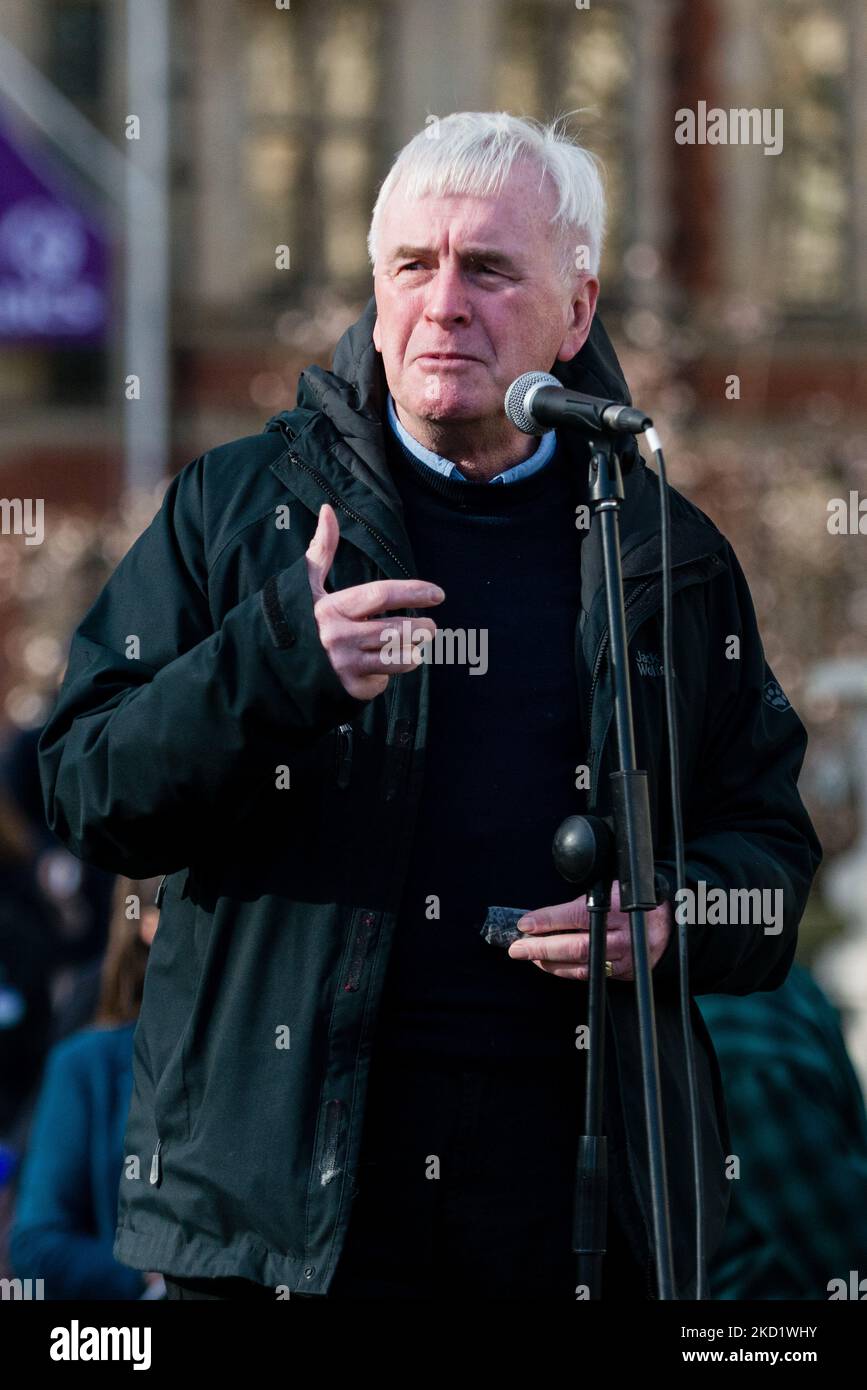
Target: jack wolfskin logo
649, 664
774, 695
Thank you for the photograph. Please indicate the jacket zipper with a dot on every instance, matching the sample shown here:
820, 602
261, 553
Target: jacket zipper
328, 1162
364, 935
156, 1164
350, 511
600, 652
344, 754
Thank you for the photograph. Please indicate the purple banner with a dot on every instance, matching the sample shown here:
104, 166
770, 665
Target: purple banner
54, 257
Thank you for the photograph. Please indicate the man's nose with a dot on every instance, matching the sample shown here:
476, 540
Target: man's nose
448, 299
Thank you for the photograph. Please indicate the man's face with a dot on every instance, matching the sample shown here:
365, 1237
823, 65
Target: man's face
469, 296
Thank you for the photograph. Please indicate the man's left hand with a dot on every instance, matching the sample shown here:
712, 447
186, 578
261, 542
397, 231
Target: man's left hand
558, 938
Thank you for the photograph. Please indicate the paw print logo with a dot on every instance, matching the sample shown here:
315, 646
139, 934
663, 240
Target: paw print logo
774, 695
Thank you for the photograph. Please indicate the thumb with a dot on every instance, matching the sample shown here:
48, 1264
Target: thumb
322, 549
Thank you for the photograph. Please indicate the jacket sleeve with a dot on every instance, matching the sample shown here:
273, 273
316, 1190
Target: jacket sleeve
166, 721
745, 826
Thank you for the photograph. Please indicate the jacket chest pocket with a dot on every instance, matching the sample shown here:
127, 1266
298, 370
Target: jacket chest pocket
360, 754
325, 764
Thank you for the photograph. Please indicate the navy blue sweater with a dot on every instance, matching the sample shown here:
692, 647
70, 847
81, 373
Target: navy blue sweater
500, 765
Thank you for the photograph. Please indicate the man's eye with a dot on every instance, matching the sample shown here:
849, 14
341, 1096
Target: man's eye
410, 265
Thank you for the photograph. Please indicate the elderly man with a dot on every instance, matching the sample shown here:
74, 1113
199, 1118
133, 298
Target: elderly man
340, 1088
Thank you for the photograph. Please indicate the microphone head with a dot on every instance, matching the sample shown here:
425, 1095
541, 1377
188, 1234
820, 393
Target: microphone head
516, 397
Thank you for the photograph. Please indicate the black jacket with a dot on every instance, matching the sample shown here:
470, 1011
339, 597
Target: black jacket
163, 756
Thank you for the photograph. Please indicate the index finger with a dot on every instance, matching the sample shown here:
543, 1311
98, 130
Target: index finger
382, 595
572, 916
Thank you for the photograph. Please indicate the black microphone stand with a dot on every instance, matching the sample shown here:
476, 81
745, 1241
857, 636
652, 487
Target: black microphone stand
592, 851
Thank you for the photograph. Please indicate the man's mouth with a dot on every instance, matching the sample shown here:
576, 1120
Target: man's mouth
445, 357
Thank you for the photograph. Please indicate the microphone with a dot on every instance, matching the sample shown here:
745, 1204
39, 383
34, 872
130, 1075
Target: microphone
537, 401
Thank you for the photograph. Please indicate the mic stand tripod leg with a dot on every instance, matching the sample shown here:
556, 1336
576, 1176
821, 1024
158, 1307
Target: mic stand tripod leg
589, 1227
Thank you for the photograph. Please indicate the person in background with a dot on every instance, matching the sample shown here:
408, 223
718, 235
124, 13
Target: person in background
28, 945
78, 895
66, 1211
27, 958
798, 1212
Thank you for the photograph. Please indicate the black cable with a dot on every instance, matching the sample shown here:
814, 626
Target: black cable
680, 868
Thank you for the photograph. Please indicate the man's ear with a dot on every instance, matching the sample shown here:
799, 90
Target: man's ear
377, 336
583, 308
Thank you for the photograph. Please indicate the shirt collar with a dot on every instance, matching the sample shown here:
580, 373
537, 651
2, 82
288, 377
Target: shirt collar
537, 460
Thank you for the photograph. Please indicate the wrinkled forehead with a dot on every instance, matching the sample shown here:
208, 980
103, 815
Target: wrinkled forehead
515, 217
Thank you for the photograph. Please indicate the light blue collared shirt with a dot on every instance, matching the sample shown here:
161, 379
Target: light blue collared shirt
537, 460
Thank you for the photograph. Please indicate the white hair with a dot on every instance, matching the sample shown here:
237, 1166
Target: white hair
472, 152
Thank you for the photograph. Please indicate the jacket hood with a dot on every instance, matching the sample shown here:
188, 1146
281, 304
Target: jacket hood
353, 394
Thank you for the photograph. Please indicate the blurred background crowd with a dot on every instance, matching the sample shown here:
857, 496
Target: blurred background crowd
185, 188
